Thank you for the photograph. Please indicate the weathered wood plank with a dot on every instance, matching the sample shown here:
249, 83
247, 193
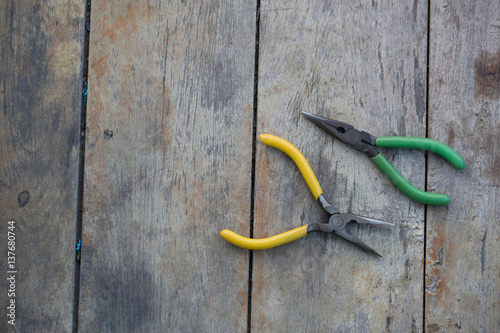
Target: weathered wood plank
168, 166
40, 99
462, 265
364, 63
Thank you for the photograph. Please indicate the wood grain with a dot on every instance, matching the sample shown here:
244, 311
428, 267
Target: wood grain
40, 99
462, 279
168, 166
364, 63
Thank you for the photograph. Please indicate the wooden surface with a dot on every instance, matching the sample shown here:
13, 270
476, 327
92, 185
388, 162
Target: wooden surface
168, 164
368, 69
462, 265
40, 98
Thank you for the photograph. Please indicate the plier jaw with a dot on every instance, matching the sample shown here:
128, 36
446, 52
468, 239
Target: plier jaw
337, 223
346, 133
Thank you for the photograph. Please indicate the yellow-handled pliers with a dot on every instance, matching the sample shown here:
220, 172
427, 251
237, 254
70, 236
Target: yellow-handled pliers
333, 221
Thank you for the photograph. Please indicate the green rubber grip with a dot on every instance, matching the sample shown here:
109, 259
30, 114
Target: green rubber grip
405, 187
425, 144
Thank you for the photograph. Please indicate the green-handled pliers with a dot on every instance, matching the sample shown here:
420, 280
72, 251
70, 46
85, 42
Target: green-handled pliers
367, 143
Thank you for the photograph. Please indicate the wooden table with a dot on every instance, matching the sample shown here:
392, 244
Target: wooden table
165, 154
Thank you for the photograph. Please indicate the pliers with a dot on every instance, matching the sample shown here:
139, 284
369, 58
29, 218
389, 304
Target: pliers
366, 143
333, 221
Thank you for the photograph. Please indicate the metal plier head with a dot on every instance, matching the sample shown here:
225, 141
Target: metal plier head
360, 140
336, 222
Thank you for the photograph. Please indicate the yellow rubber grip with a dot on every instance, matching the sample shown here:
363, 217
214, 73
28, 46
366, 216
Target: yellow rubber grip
298, 158
264, 243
